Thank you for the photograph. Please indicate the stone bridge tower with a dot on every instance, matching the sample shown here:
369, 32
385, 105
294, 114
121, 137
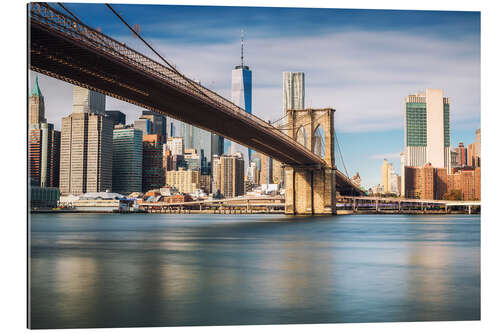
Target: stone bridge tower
310, 189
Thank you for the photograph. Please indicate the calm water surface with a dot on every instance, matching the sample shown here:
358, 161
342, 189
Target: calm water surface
100, 270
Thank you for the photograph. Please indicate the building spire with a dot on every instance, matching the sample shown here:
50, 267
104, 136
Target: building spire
35, 91
241, 48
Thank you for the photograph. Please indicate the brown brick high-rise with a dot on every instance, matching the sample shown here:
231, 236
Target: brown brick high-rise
153, 171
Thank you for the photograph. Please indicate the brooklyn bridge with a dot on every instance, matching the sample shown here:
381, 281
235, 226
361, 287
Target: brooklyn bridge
63, 47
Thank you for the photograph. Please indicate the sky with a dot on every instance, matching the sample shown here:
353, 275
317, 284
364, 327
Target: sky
363, 63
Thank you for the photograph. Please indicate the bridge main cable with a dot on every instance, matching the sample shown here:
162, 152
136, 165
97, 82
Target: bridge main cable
155, 52
69, 12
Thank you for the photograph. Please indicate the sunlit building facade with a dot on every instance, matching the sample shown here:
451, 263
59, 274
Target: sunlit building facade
86, 145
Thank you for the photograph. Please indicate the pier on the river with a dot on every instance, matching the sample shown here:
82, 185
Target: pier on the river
345, 205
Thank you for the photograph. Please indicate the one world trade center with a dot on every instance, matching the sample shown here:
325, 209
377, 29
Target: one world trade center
241, 95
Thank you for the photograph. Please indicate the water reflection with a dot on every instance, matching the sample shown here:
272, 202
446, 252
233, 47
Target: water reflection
160, 270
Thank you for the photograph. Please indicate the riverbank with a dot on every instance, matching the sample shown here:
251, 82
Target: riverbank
214, 212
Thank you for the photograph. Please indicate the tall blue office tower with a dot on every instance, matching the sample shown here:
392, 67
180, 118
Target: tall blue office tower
241, 95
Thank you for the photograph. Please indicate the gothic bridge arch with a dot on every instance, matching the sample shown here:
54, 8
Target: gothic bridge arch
310, 190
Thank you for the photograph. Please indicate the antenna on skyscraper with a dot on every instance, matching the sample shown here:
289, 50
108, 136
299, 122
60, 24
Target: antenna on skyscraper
241, 48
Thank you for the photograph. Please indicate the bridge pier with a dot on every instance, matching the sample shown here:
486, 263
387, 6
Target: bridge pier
310, 191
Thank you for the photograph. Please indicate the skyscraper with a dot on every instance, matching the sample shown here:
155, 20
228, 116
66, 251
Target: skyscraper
206, 144
228, 176
37, 105
266, 170
393, 180
153, 172
119, 118
185, 181
86, 145
175, 145
43, 143
427, 131
241, 95
478, 142
88, 101
144, 125
158, 123
293, 91
462, 154
385, 176
471, 154
127, 160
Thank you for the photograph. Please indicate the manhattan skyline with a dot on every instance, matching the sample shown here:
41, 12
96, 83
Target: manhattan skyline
363, 63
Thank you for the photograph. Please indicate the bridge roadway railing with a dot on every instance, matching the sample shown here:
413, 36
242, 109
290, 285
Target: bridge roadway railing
54, 20
407, 200
251, 200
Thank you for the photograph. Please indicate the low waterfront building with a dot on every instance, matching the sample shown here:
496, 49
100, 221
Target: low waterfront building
100, 202
167, 191
378, 189
270, 189
177, 198
43, 197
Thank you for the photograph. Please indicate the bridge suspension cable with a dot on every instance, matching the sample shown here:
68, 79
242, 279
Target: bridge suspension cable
69, 12
155, 52
340, 152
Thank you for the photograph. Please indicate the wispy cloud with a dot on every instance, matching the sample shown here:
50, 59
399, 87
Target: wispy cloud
388, 156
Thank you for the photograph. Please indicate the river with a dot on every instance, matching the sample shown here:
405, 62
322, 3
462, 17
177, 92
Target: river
119, 270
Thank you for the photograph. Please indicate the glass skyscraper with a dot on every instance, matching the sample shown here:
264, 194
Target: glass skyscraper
241, 95
127, 160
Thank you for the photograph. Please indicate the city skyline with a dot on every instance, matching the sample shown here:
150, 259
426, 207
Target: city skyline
369, 116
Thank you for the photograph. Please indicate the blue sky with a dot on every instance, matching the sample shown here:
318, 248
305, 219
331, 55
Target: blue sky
361, 62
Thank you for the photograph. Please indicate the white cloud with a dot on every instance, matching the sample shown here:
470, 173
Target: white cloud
388, 156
